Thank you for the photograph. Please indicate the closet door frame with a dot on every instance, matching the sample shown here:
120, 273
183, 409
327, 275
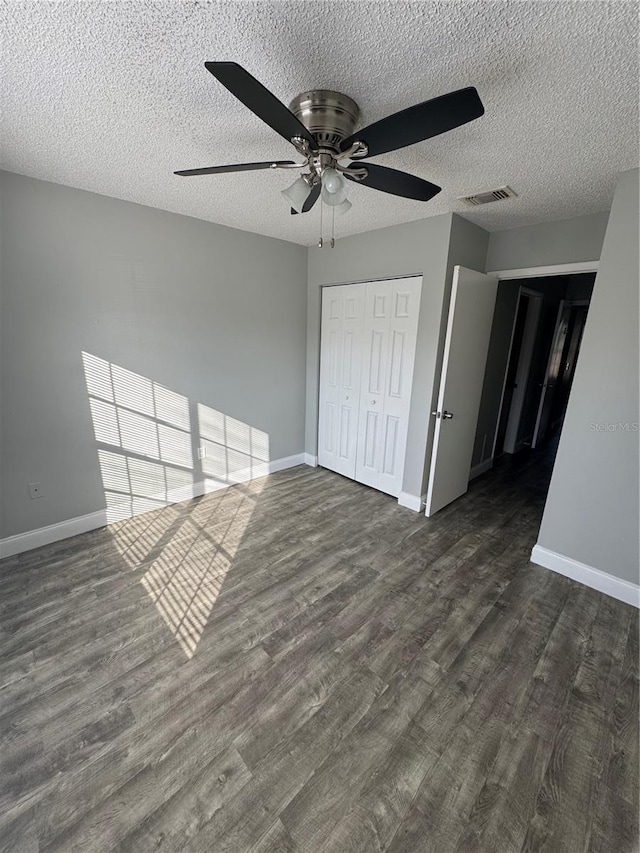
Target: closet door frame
379, 480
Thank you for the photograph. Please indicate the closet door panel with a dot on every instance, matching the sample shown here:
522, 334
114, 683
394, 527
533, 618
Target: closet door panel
340, 361
390, 459
400, 360
377, 309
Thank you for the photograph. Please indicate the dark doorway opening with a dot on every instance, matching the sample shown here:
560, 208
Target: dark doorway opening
533, 352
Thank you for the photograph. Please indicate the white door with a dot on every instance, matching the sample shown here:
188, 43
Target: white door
389, 344
375, 342
471, 310
340, 360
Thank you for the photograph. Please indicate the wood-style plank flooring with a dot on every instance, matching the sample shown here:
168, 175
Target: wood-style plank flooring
298, 665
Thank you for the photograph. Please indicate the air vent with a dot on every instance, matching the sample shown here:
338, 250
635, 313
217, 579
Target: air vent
489, 196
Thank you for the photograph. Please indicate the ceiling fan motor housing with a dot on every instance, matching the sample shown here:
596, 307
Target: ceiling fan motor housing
329, 116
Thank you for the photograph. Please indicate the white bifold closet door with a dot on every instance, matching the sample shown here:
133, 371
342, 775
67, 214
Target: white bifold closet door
340, 358
373, 347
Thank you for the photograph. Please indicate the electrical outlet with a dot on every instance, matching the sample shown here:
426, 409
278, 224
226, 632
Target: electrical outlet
35, 491
202, 452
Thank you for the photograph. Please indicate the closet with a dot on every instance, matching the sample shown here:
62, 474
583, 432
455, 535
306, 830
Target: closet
367, 343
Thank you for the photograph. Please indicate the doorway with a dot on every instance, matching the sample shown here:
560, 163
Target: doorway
505, 359
533, 352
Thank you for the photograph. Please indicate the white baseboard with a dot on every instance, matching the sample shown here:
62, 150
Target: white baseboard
12, 545
311, 460
480, 468
184, 493
287, 462
414, 502
243, 475
52, 533
587, 575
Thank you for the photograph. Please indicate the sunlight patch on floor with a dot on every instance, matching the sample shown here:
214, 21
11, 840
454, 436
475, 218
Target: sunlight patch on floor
185, 593
184, 581
147, 436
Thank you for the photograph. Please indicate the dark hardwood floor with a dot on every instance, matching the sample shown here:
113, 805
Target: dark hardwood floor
298, 664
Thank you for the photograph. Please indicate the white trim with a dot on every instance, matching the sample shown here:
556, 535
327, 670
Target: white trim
286, 462
52, 533
243, 475
309, 459
21, 542
184, 493
587, 575
480, 468
367, 280
553, 269
414, 502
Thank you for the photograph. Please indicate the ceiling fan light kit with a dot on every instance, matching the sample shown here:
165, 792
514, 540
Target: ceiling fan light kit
297, 194
320, 124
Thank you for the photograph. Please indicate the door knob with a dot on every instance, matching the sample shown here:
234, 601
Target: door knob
346, 397
373, 402
447, 415
436, 414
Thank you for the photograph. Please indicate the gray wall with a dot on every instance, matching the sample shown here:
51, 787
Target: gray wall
591, 513
429, 247
212, 313
565, 241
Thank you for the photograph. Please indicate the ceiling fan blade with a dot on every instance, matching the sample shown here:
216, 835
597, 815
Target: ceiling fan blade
259, 99
238, 167
419, 122
397, 183
311, 199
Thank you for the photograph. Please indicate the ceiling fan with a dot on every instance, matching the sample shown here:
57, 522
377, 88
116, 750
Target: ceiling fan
320, 125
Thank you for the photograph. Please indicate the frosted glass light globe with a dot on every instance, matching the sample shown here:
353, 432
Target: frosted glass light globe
297, 194
331, 181
334, 187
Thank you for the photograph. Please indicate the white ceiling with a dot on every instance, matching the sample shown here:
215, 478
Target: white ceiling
113, 96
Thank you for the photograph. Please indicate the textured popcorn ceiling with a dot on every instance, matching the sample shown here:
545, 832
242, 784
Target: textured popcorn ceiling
113, 96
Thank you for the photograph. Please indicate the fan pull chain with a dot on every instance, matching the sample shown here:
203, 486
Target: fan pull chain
332, 242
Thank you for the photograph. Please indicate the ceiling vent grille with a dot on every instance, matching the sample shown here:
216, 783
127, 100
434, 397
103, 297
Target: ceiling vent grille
489, 196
